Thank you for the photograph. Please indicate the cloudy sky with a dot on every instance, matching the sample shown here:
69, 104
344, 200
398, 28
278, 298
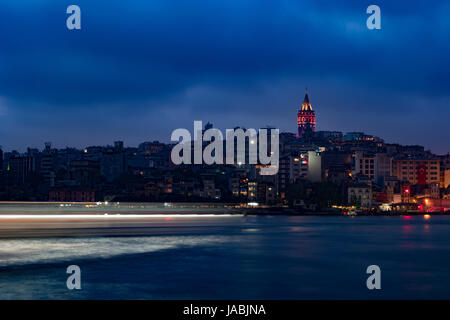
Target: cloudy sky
137, 70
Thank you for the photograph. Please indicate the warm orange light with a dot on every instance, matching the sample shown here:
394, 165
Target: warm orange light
427, 216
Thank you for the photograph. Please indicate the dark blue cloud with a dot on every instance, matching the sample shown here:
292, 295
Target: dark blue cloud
139, 69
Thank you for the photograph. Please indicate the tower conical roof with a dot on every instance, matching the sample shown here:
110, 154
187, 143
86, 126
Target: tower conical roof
306, 100
306, 105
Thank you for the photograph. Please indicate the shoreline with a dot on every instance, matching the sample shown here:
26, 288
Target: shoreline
101, 210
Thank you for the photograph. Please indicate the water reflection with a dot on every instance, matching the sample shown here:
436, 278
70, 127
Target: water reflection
242, 258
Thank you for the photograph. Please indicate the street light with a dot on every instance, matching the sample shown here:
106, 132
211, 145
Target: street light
407, 191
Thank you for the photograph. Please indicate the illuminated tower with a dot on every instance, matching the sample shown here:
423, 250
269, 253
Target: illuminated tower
306, 119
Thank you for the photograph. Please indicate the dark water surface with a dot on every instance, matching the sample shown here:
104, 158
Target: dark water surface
239, 258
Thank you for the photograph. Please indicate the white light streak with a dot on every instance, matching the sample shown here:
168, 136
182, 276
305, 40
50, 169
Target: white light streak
111, 216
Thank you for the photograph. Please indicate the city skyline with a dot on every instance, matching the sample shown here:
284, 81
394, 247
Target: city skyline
81, 146
304, 109
224, 158
248, 68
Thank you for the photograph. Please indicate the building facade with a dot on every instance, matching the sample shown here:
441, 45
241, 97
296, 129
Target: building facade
417, 170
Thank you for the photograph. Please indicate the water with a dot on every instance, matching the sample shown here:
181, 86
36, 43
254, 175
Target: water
237, 258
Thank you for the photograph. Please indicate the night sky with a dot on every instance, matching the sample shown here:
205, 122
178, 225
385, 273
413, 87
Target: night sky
137, 70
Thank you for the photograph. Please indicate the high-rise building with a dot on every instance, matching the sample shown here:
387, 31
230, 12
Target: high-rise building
376, 166
383, 167
364, 164
48, 164
306, 119
22, 167
293, 166
417, 170
314, 166
85, 172
113, 162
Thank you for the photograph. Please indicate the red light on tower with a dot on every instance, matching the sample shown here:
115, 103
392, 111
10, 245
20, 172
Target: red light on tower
406, 190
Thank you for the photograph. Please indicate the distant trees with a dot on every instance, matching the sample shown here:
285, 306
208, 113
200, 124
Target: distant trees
323, 194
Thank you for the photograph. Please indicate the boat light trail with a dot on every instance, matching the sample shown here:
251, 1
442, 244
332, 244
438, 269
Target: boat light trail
112, 216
